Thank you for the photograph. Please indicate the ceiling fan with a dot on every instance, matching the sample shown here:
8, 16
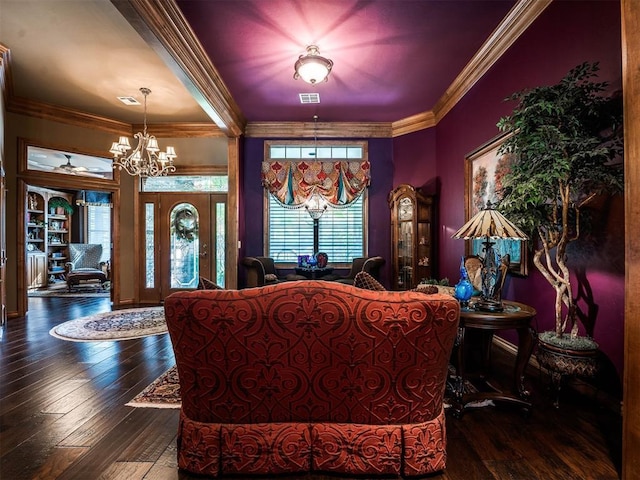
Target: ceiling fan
69, 168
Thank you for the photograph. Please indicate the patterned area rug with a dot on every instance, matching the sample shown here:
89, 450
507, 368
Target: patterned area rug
164, 392
60, 290
117, 325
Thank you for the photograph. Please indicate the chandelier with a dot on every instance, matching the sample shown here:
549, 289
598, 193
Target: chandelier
145, 160
316, 203
312, 68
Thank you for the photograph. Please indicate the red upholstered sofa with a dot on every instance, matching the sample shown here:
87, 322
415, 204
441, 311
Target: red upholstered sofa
310, 376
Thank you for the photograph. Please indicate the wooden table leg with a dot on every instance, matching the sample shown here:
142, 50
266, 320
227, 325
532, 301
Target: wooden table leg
526, 342
458, 382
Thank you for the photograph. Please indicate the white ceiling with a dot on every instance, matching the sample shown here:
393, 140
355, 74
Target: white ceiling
83, 54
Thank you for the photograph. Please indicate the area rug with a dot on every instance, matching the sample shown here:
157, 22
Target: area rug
117, 325
61, 290
164, 392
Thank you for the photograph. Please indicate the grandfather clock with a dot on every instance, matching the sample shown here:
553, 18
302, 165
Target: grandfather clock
412, 245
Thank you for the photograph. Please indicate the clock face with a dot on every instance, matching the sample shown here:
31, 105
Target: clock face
405, 209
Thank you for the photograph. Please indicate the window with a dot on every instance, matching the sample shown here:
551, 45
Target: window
99, 228
289, 232
186, 183
340, 232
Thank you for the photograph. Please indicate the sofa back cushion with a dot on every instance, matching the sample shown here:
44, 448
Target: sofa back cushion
306, 351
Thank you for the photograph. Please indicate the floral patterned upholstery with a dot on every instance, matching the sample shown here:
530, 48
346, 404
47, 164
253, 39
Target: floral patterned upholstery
311, 376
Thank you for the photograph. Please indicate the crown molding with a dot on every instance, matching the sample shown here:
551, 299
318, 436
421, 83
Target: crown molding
414, 123
69, 116
514, 24
163, 26
321, 129
519, 18
46, 111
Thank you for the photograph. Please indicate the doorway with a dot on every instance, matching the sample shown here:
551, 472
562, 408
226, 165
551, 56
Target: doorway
50, 236
182, 238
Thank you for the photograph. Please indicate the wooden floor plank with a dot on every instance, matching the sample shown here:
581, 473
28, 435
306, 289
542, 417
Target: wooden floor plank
57, 462
150, 442
127, 470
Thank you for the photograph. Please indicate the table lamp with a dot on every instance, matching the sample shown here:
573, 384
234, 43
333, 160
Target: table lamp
490, 224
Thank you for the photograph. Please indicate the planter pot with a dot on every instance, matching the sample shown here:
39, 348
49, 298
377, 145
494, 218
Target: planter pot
564, 362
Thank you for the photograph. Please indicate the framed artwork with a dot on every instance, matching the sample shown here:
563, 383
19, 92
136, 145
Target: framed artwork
484, 170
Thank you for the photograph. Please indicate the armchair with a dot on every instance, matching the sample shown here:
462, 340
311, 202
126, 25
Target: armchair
356, 267
262, 271
370, 265
373, 265
85, 265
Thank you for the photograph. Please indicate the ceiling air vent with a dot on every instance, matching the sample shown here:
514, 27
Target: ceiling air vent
129, 100
309, 97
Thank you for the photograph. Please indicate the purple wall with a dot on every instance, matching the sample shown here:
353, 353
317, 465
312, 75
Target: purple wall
381, 159
415, 161
566, 34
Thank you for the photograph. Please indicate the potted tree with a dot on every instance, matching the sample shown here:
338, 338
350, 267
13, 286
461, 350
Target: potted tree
565, 145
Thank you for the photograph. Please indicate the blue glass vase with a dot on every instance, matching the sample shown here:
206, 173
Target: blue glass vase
463, 289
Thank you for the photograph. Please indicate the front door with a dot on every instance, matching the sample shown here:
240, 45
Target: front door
180, 242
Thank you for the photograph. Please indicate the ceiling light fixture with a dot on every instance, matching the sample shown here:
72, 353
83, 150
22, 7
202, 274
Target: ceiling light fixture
313, 68
68, 167
145, 160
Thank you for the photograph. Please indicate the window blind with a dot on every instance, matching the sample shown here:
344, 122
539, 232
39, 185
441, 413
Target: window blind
340, 232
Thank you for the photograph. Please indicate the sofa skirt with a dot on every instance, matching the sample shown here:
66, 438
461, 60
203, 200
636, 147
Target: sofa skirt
273, 448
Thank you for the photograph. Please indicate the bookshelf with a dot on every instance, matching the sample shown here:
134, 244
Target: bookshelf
48, 235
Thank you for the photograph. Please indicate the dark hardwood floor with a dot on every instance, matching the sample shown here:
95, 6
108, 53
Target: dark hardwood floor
63, 414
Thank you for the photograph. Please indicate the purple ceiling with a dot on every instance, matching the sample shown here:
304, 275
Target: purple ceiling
392, 58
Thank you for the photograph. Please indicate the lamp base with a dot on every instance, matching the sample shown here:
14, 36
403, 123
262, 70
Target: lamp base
488, 306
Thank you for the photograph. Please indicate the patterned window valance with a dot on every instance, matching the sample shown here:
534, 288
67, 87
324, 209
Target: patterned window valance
293, 183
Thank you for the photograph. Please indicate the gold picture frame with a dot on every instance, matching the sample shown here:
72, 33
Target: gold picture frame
484, 168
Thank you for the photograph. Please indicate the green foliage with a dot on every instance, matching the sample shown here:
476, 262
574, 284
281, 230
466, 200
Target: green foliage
565, 148
56, 202
580, 343
565, 136
444, 282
